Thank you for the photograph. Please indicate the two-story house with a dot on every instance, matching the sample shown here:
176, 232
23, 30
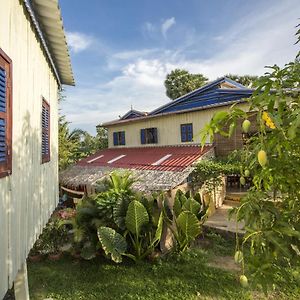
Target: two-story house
161, 147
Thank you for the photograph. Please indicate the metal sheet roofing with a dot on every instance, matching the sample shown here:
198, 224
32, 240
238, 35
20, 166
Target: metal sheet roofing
167, 158
46, 17
220, 92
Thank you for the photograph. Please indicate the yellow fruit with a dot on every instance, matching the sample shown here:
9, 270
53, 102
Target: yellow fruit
268, 120
238, 257
262, 158
247, 173
246, 125
242, 180
243, 281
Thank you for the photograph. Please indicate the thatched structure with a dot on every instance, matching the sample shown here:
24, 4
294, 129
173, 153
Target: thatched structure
85, 178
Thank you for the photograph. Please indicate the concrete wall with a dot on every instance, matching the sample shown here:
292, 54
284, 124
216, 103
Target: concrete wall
168, 127
30, 194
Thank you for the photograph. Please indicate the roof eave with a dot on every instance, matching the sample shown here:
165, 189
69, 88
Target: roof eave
46, 18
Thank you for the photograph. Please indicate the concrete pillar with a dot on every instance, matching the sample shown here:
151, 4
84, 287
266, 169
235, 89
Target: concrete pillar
21, 284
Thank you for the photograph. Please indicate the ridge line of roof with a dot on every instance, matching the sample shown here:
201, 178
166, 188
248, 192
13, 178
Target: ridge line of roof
118, 121
200, 89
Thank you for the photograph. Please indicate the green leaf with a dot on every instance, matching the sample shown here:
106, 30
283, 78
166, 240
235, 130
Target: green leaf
219, 116
88, 251
136, 217
189, 225
177, 206
113, 243
192, 205
159, 230
119, 212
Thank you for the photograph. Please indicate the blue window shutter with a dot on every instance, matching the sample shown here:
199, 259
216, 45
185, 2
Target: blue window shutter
155, 135
45, 134
3, 153
183, 133
122, 137
115, 136
45, 131
2, 141
143, 136
2, 90
189, 132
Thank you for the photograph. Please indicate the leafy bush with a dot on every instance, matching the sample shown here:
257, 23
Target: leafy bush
125, 223
271, 208
185, 219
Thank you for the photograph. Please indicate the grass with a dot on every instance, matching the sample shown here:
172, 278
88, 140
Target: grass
188, 276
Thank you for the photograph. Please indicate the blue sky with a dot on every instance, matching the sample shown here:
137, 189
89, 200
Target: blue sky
121, 51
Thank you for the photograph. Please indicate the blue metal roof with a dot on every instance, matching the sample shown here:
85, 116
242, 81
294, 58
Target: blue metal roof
207, 95
133, 114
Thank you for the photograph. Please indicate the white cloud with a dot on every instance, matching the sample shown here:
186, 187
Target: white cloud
78, 41
260, 39
166, 25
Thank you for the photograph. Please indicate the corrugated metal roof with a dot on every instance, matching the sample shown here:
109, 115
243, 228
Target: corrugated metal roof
46, 17
206, 97
176, 158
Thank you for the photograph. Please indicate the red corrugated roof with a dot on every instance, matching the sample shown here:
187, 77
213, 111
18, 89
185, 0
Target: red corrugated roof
177, 157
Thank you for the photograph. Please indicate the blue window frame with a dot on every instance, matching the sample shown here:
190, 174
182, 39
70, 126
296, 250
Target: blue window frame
149, 136
119, 138
186, 132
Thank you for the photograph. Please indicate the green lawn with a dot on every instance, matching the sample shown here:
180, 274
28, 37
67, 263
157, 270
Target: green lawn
190, 276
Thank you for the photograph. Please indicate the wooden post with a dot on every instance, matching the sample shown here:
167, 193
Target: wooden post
21, 284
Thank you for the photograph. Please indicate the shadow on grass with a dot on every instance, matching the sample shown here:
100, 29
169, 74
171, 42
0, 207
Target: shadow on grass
182, 278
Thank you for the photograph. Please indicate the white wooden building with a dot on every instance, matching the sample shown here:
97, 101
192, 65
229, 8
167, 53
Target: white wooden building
34, 63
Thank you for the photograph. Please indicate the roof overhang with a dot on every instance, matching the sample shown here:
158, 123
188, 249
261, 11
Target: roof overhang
47, 20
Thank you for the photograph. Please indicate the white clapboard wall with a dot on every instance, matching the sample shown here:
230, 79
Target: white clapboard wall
30, 194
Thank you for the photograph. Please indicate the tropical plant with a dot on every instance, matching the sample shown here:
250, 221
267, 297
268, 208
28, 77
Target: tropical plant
54, 237
142, 233
185, 218
180, 82
271, 208
77, 144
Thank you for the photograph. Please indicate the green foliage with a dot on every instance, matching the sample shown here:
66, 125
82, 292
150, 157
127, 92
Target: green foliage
53, 238
212, 169
125, 213
180, 82
136, 217
185, 219
113, 243
249, 81
188, 228
271, 208
77, 144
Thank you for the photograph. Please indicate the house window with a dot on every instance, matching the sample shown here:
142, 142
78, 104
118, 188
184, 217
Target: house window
149, 136
119, 138
45, 131
5, 115
186, 132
